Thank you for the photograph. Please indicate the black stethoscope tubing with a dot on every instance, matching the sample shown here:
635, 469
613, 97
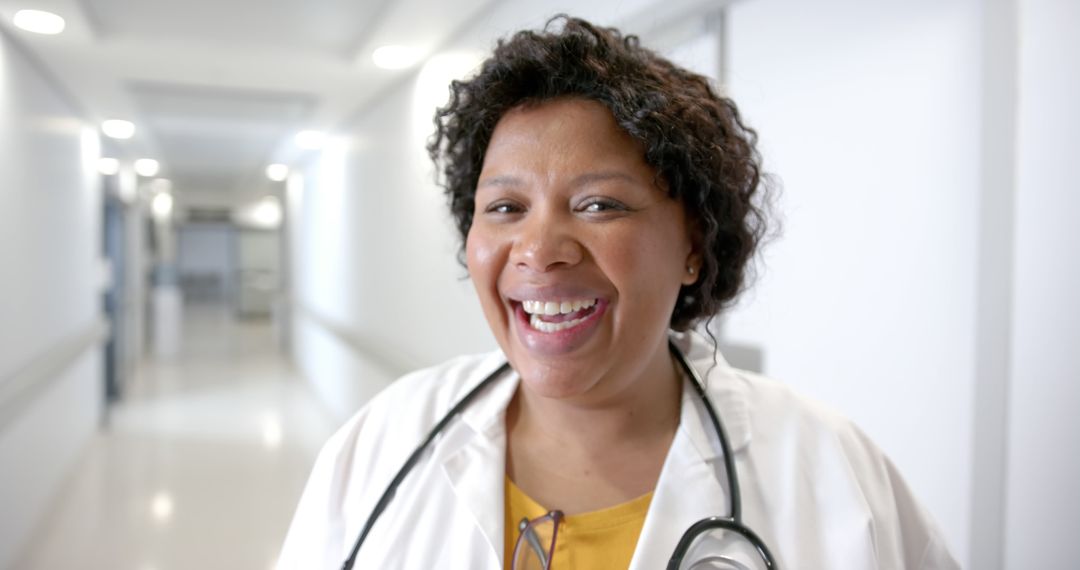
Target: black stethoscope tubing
732, 523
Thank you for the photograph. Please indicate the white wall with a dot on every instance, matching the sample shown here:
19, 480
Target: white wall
50, 241
868, 115
1043, 477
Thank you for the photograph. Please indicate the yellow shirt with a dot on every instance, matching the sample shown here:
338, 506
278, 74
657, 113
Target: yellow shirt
600, 539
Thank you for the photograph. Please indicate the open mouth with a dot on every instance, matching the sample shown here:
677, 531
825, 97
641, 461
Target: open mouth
555, 316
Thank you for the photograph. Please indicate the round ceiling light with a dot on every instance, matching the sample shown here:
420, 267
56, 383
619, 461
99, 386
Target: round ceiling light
277, 172
38, 22
147, 167
395, 57
118, 129
108, 166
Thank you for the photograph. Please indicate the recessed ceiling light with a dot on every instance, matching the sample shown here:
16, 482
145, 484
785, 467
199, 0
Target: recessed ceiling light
38, 21
267, 213
310, 140
147, 167
108, 166
277, 172
396, 57
118, 129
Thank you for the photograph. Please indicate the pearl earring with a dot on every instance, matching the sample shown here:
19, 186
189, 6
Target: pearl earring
690, 270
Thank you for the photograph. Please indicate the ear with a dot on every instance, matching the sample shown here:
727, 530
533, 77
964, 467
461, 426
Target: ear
694, 259
693, 269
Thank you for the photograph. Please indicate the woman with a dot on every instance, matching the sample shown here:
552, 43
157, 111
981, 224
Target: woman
607, 199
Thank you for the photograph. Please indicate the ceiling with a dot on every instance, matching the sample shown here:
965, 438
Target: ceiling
217, 88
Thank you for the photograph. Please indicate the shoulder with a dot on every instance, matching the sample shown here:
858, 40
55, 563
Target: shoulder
359, 460
762, 409
805, 451
759, 407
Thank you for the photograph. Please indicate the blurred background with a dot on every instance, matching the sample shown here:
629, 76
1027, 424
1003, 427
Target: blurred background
220, 235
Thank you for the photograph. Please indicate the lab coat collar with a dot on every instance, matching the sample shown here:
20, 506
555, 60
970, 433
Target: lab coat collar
692, 482
688, 490
726, 391
476, 466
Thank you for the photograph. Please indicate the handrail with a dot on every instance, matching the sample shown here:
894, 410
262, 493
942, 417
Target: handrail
19, 389
385, 357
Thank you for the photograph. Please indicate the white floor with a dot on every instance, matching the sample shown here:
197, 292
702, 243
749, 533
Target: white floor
201, 464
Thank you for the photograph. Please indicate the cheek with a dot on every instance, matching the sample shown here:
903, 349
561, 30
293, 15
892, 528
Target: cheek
645, 260
482, 259
648, 268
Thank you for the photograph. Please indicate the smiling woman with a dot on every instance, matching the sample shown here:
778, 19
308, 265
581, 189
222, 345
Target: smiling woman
567, 210
608, 201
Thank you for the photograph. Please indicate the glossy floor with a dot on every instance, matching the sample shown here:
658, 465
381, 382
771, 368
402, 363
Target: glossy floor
200, 466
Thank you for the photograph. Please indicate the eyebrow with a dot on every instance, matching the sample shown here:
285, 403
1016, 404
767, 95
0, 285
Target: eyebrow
602, 176
504, 180
511, 181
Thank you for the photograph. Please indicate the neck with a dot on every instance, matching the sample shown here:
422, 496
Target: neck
617, 414
597, 450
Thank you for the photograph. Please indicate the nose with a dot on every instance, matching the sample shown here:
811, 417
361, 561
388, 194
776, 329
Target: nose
546, 241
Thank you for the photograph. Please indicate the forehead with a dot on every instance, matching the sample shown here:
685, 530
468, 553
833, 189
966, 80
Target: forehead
561, 133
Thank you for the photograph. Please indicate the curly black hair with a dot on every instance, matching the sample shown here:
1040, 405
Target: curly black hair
693, 137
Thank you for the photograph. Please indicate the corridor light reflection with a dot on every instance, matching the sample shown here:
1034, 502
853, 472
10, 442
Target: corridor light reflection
271, 431
162, 205
161, 507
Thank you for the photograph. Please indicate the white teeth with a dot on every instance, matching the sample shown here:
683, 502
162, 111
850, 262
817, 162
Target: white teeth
543, 326
538, 309
556, 307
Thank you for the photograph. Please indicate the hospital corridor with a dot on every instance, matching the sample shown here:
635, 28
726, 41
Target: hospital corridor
200, 466
223, 234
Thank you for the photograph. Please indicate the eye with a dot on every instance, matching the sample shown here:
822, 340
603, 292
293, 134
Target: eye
504, 207
602, 206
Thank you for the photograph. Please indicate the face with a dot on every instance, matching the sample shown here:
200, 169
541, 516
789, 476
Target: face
576, 253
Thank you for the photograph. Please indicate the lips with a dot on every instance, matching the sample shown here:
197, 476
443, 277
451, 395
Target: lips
552, 325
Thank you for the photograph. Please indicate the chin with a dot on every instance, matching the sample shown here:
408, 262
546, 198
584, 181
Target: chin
553, 383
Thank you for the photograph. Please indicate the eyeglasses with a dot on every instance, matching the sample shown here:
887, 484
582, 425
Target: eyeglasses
536, 542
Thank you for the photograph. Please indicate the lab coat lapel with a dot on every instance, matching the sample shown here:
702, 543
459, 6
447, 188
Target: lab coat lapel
476, 464
692, 484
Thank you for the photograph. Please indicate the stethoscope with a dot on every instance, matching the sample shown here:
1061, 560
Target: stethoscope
731, 523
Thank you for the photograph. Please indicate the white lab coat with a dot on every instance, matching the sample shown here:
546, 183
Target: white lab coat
818, 492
